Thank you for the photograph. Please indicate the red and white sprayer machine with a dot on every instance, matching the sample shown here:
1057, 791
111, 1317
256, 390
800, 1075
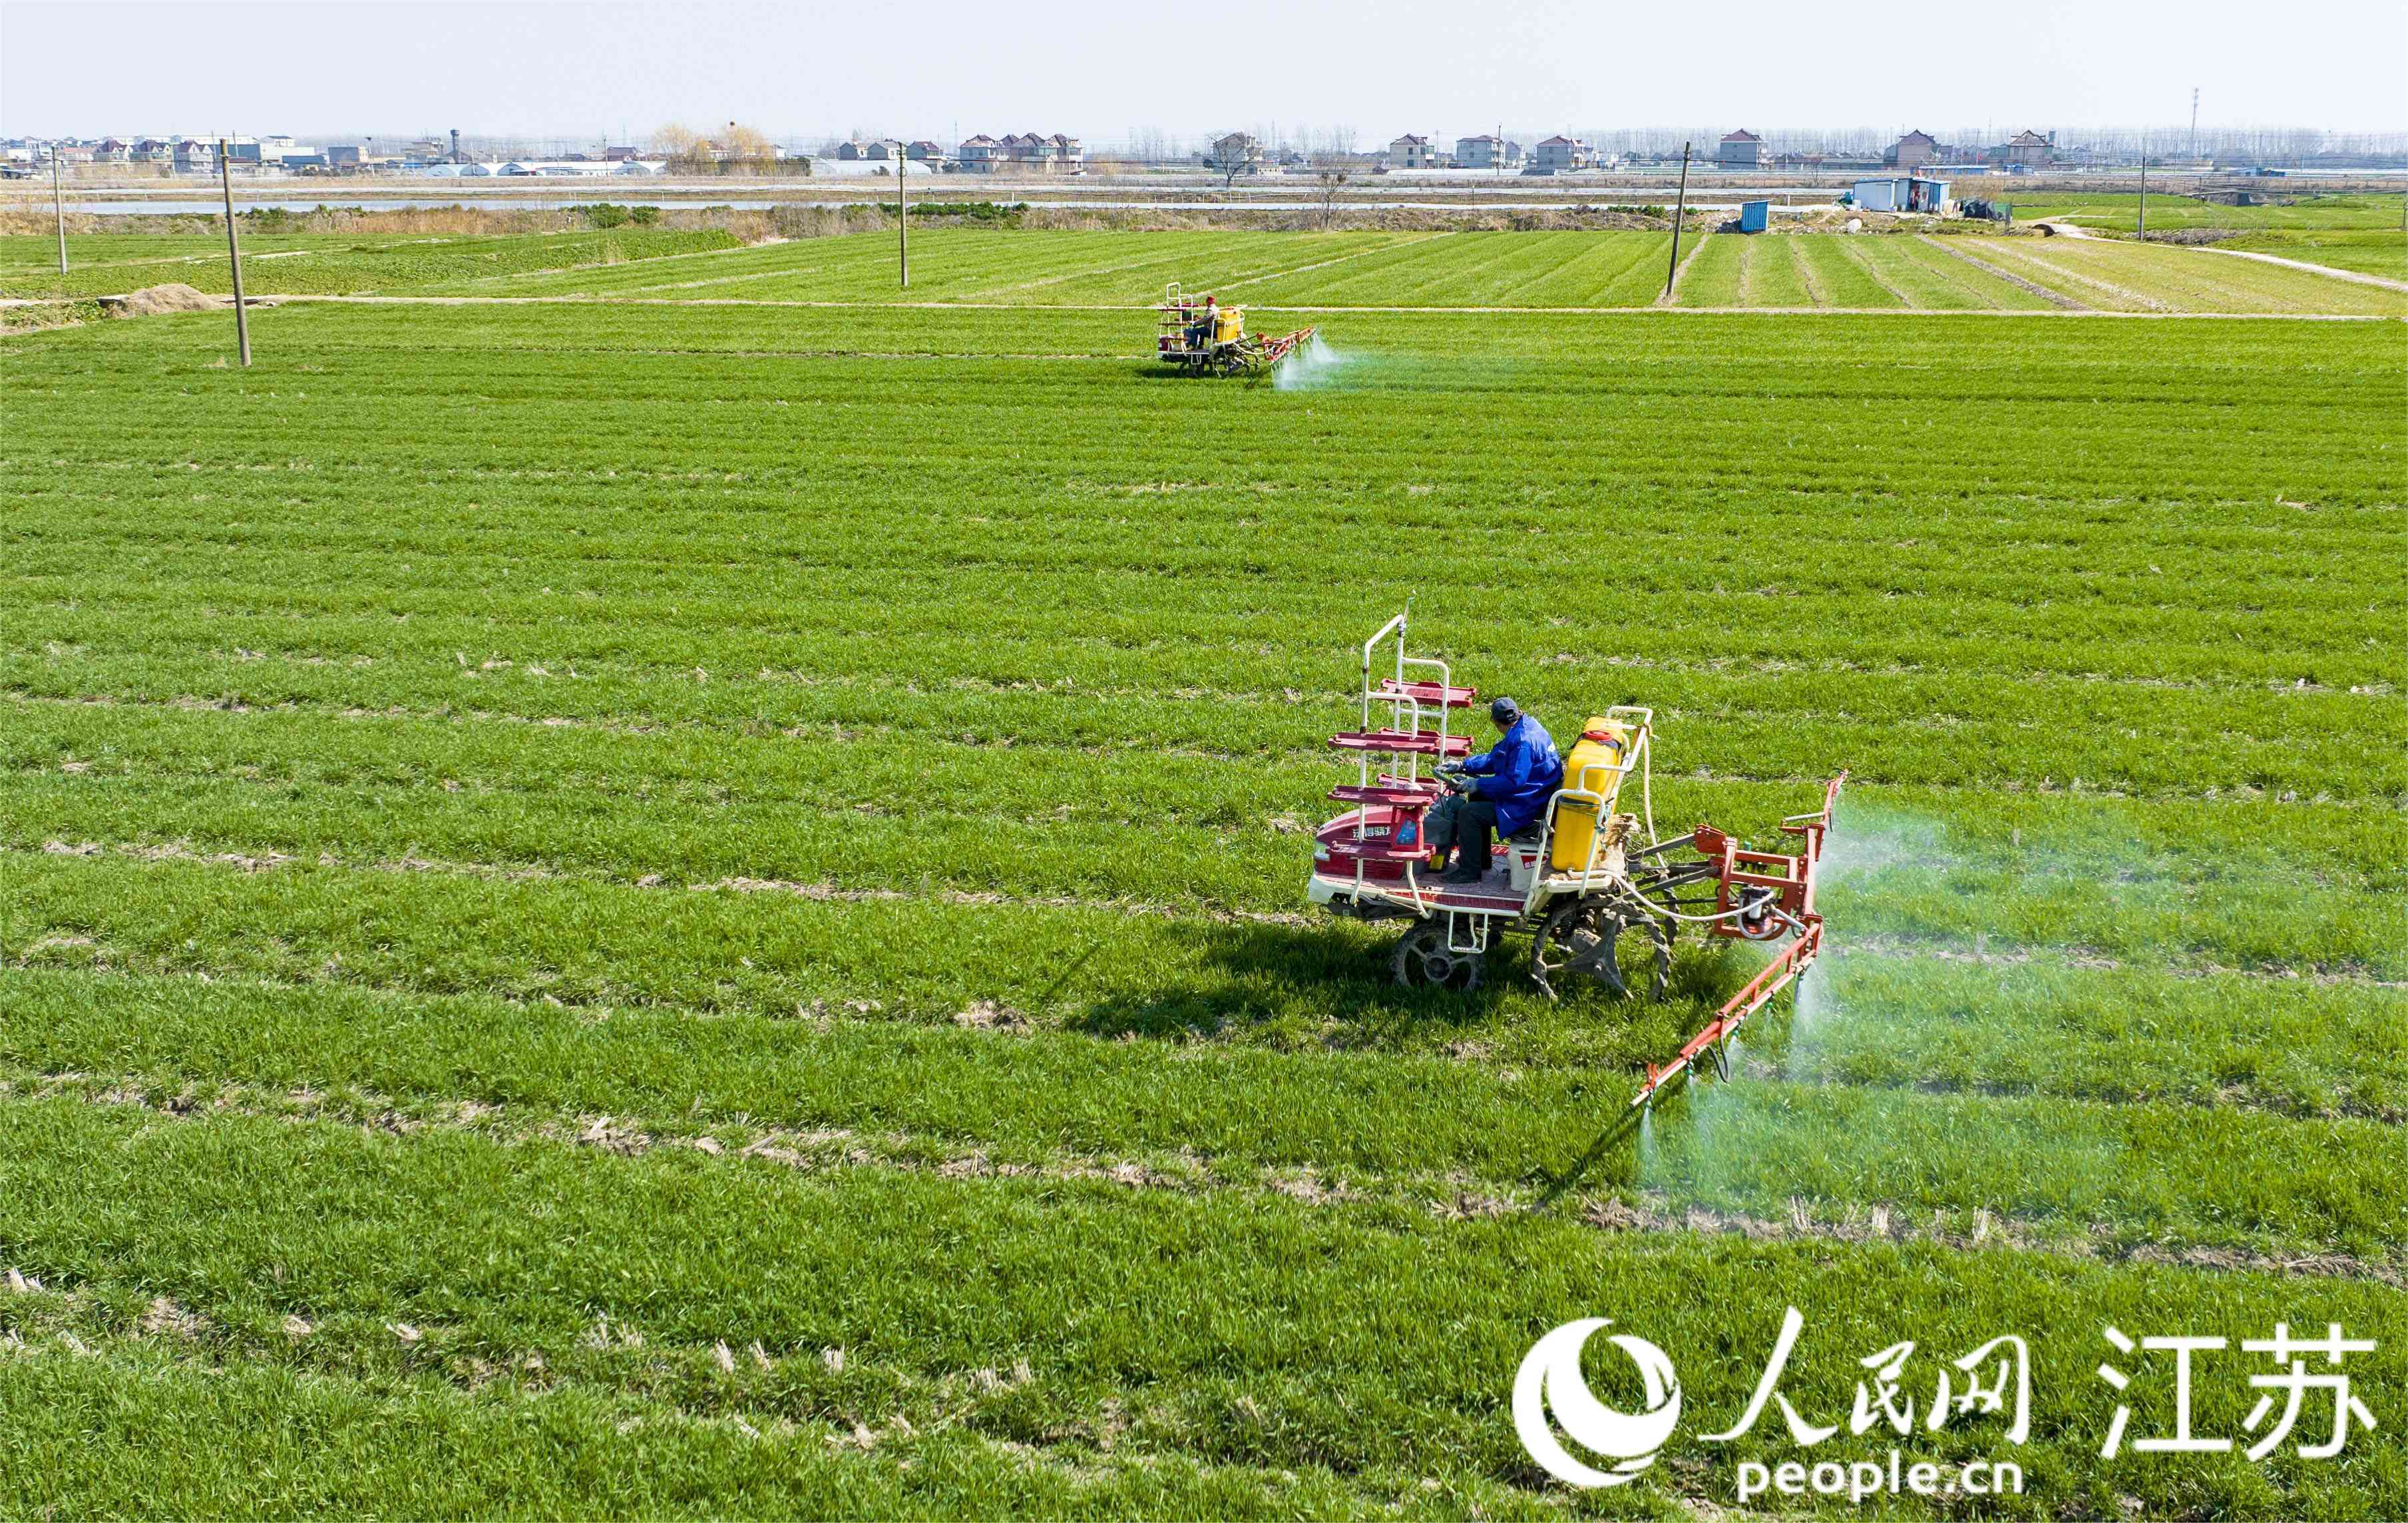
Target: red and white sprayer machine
1202, 337
1594, 887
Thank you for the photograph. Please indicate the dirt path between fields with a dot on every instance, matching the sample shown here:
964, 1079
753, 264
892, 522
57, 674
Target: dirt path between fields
2353, 276
2076, 309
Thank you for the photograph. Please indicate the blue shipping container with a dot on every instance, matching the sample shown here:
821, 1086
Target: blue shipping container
1754, 216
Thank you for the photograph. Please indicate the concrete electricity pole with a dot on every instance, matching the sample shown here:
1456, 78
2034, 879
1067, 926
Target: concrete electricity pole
59, 205
233, 256
1680, 209
2144, 227
903, 214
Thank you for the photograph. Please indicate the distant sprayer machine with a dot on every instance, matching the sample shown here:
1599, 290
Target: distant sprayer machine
1202, 337
1599, 894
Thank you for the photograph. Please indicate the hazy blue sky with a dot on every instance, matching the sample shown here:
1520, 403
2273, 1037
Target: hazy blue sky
1440, 66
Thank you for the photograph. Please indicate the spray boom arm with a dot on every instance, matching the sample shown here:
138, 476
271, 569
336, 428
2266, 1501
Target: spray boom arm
1772, 895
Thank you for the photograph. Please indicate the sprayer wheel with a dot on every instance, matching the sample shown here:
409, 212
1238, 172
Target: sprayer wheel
1659, 940
1587, 939
1424, 961
1566, 942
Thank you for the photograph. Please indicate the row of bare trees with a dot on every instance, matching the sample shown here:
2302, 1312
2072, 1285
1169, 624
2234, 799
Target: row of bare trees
737, 148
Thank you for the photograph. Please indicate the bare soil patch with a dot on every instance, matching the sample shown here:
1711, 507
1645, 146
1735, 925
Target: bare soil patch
151, 301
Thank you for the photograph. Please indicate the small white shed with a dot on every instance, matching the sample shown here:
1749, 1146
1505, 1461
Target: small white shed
1880, 195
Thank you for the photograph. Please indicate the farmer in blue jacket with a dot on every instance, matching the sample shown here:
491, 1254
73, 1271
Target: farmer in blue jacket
1504, 790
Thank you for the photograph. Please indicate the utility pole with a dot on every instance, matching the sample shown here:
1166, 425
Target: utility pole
2144, 188
233, 256
2194, 123
59, 204
1680, 209
903, 215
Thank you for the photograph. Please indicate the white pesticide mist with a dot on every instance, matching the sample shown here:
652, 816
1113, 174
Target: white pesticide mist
1862, 848
1712, 1155
1813, 1008
1901, 890
1314, 364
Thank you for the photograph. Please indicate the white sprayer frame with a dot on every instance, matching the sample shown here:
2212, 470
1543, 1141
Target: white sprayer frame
1470, 929
1406, 714
1402, 706
1477, 918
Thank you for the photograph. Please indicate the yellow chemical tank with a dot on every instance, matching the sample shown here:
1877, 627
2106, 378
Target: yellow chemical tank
1595, 765
1229, 326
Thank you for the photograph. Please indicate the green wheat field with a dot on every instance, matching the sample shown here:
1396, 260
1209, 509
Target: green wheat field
688, 899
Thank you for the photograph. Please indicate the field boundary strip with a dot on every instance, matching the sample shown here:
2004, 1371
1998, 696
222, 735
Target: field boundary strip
1817, 290
1671, 295
2055, 298
651, 723
834, 1149
778, 274
1884, 946
771, 273
2032, 259
648, 259
170, 1345
1855, 255
1026, 309
1324, 264
887, 681
1151, 260
1156, 261
2354, 277
1955, 276
271, 860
